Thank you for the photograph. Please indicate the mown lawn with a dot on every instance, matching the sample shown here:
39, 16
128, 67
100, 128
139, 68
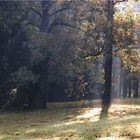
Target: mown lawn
65, 121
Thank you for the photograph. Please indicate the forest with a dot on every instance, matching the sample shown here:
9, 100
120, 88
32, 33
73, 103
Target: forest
69, 69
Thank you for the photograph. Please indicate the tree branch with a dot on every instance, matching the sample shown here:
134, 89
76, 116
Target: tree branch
99, 52
94, 9
31, 23
24, 16
37, 12
60, 10
119, 1
95, 54
65, 7
116, 50
54, 24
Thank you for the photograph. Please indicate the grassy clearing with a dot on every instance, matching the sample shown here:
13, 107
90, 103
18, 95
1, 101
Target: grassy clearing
60, 123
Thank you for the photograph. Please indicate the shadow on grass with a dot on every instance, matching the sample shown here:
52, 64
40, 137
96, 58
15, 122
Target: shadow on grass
72, 124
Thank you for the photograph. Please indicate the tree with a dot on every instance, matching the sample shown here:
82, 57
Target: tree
106, 96
61, 43
13, 44
48, 22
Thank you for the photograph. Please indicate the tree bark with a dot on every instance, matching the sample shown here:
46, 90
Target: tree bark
45, 18
116, 78
106, 96
42, 96
129, 89
124, 89
136, 88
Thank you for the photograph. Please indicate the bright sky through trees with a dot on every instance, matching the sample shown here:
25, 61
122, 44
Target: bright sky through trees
132, 4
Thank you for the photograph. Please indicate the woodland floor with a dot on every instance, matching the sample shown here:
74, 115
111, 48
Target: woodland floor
66, 121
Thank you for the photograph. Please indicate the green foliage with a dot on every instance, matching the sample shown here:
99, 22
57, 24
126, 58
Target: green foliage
126, 39
24, 77
67, 52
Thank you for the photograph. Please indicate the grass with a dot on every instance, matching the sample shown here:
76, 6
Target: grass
73, 123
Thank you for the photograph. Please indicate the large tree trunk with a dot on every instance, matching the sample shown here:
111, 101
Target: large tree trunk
106, 96
42, 96
45, 19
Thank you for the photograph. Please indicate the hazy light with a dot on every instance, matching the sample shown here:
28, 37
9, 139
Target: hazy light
109, 138
91, 113
135, 6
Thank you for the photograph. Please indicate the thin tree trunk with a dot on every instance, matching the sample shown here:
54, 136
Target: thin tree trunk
106, 96
129, 91
120, 81
124, 89
136, 88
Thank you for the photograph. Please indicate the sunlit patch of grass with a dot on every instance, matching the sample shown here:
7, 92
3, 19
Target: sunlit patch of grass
67, 133
37, 133
62, 123
112, 138
131, 132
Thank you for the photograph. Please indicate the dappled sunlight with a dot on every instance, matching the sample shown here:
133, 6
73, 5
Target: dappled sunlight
119, 106
138, 127
2, 137
67, 123
124, 109
90, 115
111, 138
30, 131
126, 120
69, 133
70, 69
123, 123
121, 112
